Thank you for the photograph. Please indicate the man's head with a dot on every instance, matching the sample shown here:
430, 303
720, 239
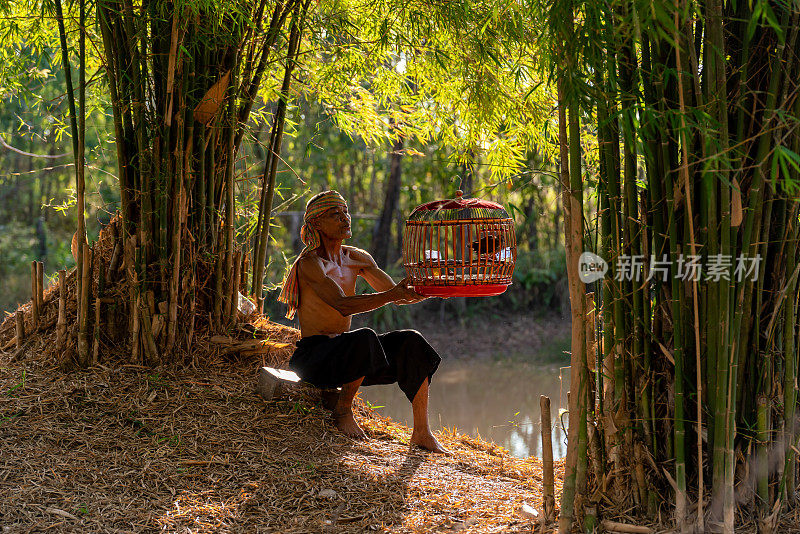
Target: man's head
326, 215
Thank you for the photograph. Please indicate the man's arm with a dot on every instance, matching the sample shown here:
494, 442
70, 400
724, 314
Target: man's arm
310, 270
376, 277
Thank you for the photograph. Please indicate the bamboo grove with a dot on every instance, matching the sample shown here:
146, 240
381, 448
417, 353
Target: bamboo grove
182, 80
693, 396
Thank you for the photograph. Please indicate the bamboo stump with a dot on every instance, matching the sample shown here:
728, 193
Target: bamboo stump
548, 473
20, 324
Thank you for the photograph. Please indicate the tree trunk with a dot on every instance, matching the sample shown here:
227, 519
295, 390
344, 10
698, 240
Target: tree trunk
382, 234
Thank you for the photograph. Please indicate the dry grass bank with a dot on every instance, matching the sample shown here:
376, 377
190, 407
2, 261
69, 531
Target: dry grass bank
124, 448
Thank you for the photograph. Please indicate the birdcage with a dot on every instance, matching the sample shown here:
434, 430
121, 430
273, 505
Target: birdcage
462, 247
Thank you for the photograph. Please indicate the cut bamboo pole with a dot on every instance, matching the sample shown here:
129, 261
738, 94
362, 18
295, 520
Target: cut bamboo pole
613, 526
61, 325
548, 473
40, 286
34, 298
20, 325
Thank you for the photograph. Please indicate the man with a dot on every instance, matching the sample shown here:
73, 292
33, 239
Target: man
321, 286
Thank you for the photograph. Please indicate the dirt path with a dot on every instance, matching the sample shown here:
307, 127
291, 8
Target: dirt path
127, 449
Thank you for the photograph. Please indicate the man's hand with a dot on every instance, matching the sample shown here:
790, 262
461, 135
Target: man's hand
404, 294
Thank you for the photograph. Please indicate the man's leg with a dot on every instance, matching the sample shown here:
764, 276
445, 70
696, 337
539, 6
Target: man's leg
343, 411
421, 435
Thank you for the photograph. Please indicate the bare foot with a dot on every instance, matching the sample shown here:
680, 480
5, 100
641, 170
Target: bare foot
428, 442
347, 424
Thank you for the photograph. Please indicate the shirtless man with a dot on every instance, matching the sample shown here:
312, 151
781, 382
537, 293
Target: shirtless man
320, 286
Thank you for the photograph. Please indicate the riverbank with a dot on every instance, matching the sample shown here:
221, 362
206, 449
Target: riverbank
129, 449
533, 338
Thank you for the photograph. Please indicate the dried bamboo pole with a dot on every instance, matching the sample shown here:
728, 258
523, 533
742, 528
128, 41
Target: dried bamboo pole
548, 473
40, 285
34, 297
61, 325
19, 319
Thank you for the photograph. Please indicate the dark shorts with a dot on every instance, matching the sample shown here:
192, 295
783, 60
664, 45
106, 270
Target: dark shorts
401, 356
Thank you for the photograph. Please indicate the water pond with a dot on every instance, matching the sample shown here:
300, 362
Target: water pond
497, 400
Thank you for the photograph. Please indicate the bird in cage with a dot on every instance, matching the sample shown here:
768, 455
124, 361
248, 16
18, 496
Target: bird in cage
488, 244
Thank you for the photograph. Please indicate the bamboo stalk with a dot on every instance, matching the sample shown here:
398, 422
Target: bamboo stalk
83, 299
575, 466
174, 280
40, 286
101, 286
61, 325
762, 456
80, 193
790, 369
34, 297
149, 347
680, 431
234, 290
548, 473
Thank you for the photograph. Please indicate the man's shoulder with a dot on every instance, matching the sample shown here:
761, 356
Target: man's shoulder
308, 263
358, 254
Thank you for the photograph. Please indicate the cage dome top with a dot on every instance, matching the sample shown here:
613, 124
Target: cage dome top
457, 209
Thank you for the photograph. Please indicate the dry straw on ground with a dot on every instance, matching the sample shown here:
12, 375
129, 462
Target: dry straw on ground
126, 448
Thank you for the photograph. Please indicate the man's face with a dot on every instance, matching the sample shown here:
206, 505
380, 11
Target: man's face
334, 223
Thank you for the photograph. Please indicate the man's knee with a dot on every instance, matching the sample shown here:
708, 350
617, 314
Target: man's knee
412, 337
365, 337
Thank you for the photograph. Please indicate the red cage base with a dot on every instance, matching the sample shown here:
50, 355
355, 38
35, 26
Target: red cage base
485, 290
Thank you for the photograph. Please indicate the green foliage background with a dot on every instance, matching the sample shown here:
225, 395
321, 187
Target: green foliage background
459, 81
